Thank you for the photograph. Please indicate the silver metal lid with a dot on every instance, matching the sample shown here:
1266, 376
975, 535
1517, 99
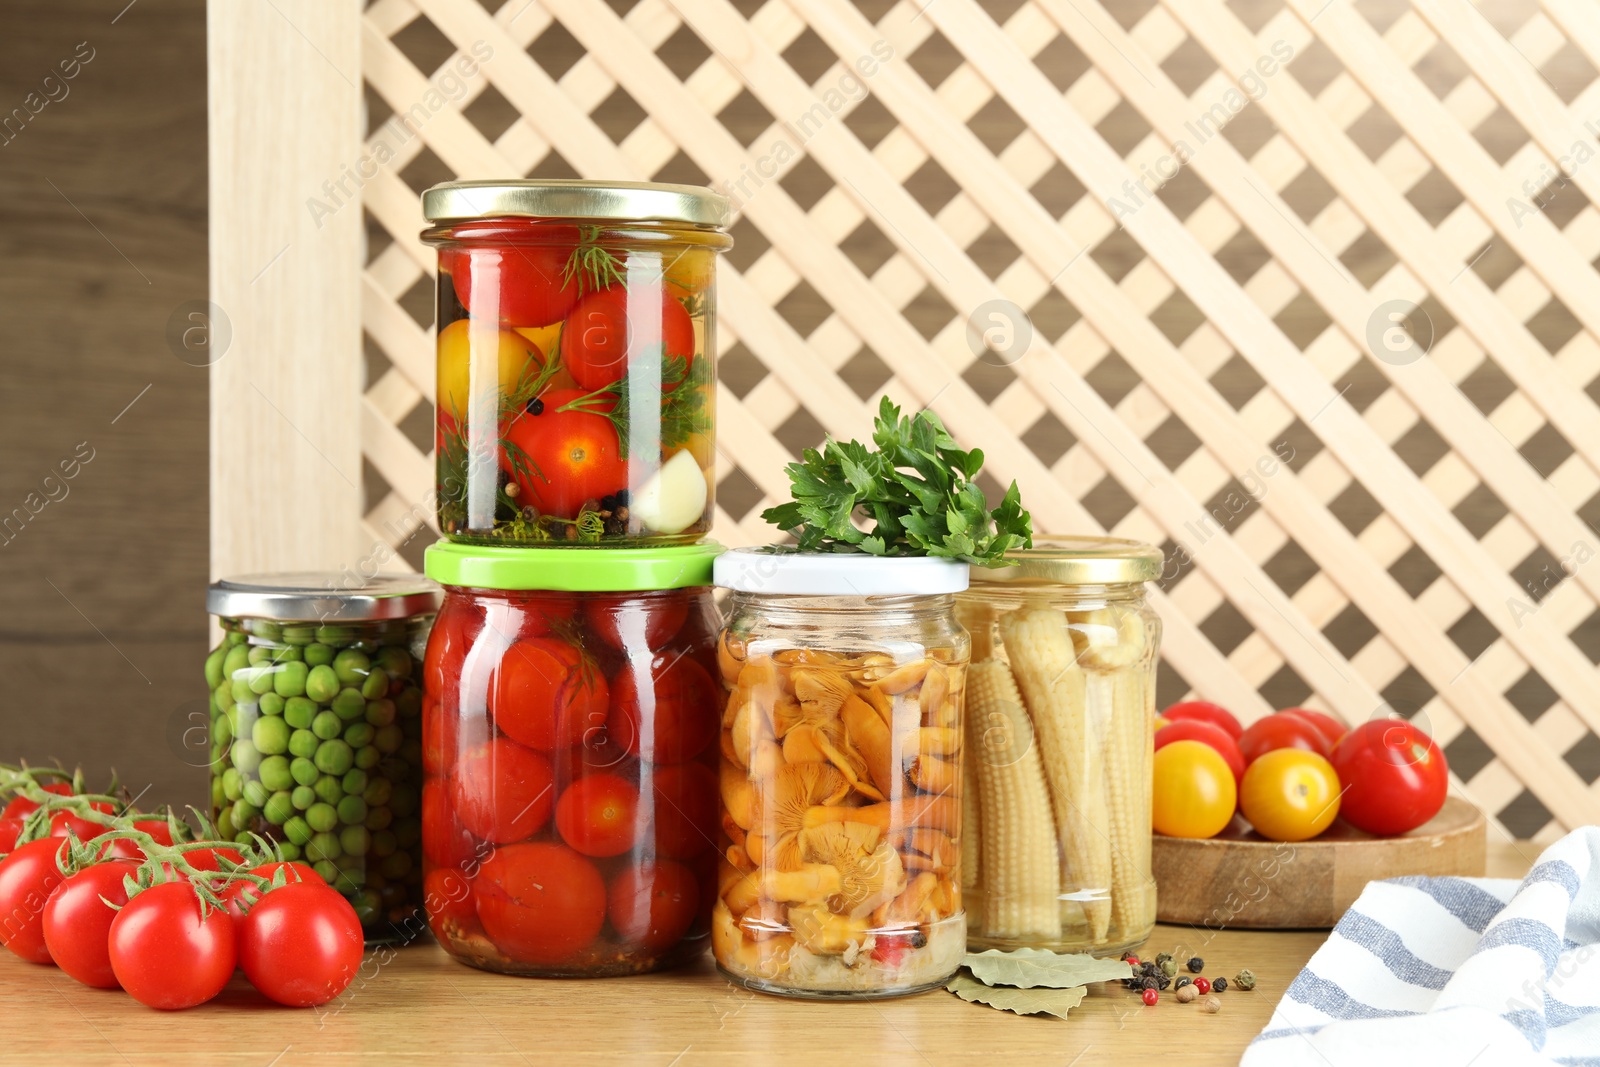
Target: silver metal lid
568, 198
322, 596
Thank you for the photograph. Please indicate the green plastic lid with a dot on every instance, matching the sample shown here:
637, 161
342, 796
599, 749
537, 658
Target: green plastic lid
571, 570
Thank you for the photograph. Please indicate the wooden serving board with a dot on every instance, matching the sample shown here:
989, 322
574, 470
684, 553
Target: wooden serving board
1239, 879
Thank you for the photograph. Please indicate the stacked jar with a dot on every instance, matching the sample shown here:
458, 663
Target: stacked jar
569, 811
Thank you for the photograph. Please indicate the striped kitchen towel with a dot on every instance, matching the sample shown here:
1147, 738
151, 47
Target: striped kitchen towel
1454, 971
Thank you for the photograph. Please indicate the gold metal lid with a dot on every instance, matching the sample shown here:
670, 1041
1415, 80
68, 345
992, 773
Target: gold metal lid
1075, 561
567, 198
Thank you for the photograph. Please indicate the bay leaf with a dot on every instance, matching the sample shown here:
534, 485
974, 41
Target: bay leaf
1032, 968
1056, 1002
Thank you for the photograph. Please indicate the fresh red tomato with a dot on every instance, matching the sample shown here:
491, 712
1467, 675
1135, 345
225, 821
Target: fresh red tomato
632, 621
240, 895
611, 327
77, 921
503, 791
206, 859
1206, 733
452, 913
546, 695
686, 796
63, 823
1326, 724
540, 902
20, 807
123, 848
168, 955
10, 830
1273, 732
445, 842
300, 944
666, 710
27, 878
1205, 711
599, 815
1394, 776
576, 453
520, 285
652, 906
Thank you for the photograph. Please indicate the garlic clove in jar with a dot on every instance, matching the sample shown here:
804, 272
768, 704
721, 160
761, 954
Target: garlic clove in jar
673, 498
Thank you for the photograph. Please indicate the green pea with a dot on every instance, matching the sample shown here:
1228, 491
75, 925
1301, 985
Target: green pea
352, 666
350, 705
289, 851
409, 702
368, 907
334, 757
396, 865
242, 693
326, 725
278, 809
214, 667
376, 684
266, 629
377, 791
217, 793
378, 818
244, 837
328, 790
236, 660
404, 802
224, 696
270, 735
349, 882
321, 683
225, 828
270, 704
319, 655
233, 637
323, 846
261, 679
352, 810
303, 743
380, 712
221, 729
241, 718
286, 654
359, 735
254, 794
299, 711
368, 758
299, 636
336, 635
354, 782
383, 843
243, 812
396, 662
389, 739
322, 817
290, 680
408, 832
355, 840
259, 655
303, 797
275, 774
232, 784
325, 868
297, 830
244, 756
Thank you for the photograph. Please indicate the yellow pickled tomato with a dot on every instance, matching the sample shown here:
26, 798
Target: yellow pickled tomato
457, 341
688, 273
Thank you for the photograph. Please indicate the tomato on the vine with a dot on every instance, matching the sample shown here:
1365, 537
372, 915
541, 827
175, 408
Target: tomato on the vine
77, 921
123, 848
27, 878
665, 710
599, 815
540, 902
572, 456
1290, 795
1194, 793
611, 327
1205, 711
652, 906
1282, 730
546, 695
63, 823
206, 859
503, 791
1395, 777
240, 895
10, 830
627, 621
300, 944
1330, 728
518, 284
168, 955
20, 807
1206, 733
685, 796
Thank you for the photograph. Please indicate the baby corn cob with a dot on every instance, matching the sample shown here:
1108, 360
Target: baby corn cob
1020, 868
1129, 700
1039, 645
971, 808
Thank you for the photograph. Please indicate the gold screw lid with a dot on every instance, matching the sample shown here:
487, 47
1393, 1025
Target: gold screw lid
566, 198
1075, 561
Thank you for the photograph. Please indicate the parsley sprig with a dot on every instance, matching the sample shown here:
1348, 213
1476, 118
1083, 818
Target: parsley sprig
914, 492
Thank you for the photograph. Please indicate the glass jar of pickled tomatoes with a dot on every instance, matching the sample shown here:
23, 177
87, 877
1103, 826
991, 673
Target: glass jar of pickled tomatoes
840, 774
576, 360
569, 803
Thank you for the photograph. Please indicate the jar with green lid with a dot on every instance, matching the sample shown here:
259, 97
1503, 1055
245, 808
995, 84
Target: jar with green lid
1060, 714
576, 360
316, 730
569, 809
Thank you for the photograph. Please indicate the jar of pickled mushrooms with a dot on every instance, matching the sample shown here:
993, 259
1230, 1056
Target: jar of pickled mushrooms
840, 774
1060, 713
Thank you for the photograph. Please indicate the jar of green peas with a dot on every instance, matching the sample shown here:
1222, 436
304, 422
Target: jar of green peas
316, 730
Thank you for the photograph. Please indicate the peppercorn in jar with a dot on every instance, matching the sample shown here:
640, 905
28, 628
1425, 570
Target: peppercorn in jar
316, 731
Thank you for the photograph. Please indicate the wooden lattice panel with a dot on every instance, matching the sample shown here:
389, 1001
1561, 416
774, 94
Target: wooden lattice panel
1359, 518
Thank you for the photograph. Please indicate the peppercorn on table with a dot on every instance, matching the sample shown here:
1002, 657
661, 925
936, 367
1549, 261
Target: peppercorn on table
416, 1005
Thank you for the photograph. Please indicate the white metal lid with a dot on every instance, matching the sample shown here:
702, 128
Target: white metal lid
790, 573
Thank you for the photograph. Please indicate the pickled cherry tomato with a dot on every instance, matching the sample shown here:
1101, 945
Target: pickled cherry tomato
685, 796
520, 285
540, 902
664, 711
503, 791
546, 695
653, 905
599, 815
445, 843
610, 328
628, 621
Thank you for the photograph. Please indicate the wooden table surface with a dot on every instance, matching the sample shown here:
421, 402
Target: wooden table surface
422, 1007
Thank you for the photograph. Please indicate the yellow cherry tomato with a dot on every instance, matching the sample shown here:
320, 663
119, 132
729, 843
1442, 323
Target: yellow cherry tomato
464, 342
1290, 794
1194, 790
